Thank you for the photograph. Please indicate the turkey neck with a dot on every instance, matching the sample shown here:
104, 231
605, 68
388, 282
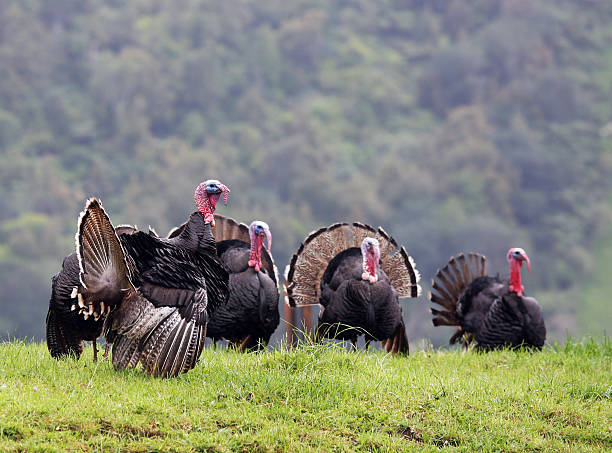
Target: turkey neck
255, 255
515, 277
197, 235
370, 265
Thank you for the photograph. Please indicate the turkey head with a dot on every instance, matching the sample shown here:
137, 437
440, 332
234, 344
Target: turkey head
257, 231
207, 195
516, 256
370, 251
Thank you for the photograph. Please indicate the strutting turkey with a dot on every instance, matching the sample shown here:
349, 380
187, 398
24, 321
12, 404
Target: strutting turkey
251, 314
488, 311
357, 274
154, 294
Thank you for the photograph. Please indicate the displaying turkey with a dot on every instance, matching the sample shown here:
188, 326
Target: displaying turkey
154, 294
251, 314
357, 274
488, 311
67, 328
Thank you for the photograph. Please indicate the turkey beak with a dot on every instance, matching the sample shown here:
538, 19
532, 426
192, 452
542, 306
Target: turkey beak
526, 259
269, 240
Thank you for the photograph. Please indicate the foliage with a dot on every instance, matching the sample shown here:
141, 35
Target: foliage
313, 398
456, 125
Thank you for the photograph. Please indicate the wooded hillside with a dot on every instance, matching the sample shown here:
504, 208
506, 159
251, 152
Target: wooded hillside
457, 125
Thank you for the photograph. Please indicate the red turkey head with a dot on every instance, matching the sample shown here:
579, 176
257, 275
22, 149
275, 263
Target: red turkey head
518, 254
370, 253
207, 195
257, 231
515, 257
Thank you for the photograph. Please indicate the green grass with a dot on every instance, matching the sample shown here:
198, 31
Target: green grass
314, 398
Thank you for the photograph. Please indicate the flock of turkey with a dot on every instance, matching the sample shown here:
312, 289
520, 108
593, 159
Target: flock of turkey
156, 299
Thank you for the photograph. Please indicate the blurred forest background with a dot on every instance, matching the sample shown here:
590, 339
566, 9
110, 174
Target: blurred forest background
457, 125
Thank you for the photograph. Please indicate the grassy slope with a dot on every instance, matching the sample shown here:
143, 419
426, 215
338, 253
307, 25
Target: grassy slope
313, 399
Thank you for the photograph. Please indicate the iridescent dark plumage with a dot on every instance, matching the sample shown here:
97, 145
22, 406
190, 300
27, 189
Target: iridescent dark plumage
353, 307
251, 314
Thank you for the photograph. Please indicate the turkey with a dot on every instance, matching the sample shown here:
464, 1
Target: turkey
251, 314
489, 312
153, 294
357, 274
66, 328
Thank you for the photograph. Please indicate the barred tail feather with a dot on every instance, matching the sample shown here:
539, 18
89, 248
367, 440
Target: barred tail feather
126, 352
173, 347
448, 286
104, 274
398, 343
60, 341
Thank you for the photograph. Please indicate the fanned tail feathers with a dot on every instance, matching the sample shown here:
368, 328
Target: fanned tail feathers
227, 228
448, 286
398, 343
308, 264
304, 272
104, 274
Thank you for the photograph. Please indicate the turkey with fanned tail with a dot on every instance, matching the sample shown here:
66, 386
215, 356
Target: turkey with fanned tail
489, 312
154, 294
357, 274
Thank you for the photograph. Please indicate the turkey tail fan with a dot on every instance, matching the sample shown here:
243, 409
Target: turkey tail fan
227, 228
104, 274
448, 286
396, 263
59, 339
398, 343
308, 264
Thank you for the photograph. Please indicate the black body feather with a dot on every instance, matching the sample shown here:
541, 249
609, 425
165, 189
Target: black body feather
353, 307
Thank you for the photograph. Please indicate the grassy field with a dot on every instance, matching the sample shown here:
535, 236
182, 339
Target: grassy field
314, 398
